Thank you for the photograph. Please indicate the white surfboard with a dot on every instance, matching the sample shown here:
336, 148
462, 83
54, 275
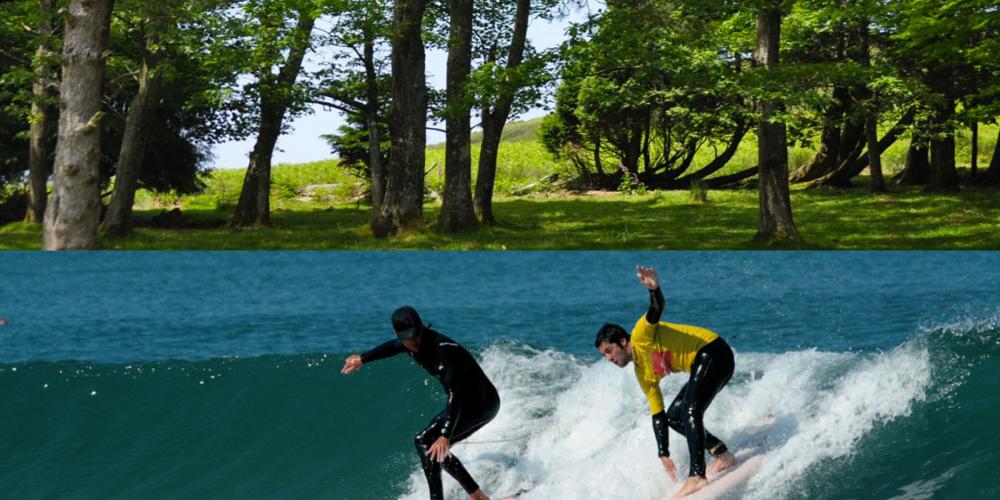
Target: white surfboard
729, 482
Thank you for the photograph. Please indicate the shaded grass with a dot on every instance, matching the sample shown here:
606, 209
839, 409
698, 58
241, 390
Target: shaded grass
827, 219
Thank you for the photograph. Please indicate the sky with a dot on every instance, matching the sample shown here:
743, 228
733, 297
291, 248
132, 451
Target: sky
303, 142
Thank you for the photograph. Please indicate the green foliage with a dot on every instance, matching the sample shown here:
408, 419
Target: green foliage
630, 185
646, 82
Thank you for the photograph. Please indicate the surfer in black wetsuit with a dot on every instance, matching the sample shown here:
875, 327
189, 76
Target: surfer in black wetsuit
472, 398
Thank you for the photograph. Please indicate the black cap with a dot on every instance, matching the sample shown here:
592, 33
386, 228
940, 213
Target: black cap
406, 322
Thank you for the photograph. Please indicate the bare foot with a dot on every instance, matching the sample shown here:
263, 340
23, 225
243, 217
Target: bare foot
693, 484
722, 462
478, 495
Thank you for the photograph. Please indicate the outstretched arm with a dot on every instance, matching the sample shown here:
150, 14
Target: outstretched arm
352, 364
384, 350
647, 276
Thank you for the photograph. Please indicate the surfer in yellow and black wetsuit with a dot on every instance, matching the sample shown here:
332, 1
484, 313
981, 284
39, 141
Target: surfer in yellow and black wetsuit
658, 349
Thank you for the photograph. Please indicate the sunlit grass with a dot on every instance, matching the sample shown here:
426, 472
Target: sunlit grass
827, 219
320, 205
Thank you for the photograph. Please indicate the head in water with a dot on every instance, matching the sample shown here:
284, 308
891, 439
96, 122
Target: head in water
613, 343
408, 326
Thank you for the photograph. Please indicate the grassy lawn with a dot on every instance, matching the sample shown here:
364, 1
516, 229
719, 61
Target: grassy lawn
827, 219
316, 206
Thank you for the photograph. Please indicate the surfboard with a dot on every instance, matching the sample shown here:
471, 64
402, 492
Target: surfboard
515, 495
730, 481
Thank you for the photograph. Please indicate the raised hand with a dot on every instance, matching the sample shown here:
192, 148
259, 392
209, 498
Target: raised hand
647, 276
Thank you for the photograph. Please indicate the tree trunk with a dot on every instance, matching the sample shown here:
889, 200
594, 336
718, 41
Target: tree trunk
372, 120
598, 165
42, 118
991, 177
489, 150
723, 159
660, 182
254, 206
825, 159
118, 220
402, 209
917, 168
974, 155
874, 153
731, 179
842, 175
494, 120
943, 176
776, 222
457, 213
71, 218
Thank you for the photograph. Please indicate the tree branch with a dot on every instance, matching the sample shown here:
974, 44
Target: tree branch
14, 57
336, 106
354, 103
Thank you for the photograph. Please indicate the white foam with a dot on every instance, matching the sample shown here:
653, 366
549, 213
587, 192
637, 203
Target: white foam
579, 428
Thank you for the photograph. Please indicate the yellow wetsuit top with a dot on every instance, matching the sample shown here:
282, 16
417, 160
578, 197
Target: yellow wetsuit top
662, 349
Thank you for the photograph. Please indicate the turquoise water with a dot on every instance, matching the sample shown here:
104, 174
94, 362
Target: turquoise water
216, 375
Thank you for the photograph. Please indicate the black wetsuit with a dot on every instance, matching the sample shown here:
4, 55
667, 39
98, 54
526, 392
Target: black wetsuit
472, 401
712, 368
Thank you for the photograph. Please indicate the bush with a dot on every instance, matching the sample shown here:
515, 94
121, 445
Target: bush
699, 191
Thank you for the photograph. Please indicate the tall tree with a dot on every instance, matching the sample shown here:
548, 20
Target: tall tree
943, 175
138, 124
71, 218
43, 116
276, 94
494, 115
402, 209
357, 83
776, 222
456, 209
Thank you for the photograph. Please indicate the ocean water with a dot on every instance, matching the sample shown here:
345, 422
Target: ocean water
216, 375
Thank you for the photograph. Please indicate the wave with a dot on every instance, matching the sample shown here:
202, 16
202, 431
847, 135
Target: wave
575, 427
912, 421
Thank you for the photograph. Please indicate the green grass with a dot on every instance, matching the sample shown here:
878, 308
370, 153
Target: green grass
827, 219
335, 215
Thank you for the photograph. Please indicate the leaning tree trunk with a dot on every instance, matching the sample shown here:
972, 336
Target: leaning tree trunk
842, 175
254, 206
776, 222
138, 124
42, 118
457, 213
494, 120
71, 217
824, 160
943, 176
402, 209
489, 150
991, 177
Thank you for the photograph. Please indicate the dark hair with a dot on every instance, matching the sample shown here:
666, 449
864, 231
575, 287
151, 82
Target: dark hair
611, 334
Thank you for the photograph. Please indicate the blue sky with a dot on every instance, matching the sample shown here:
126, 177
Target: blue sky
303, 142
